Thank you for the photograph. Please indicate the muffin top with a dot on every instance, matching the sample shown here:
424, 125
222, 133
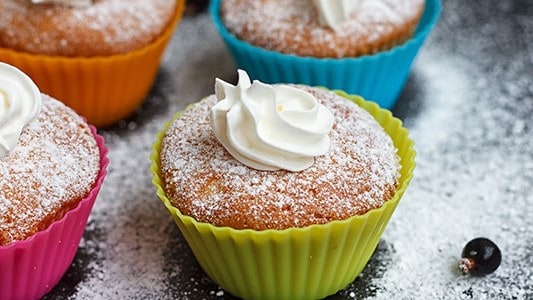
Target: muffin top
359, 172
102, 28
295, 27
53, 166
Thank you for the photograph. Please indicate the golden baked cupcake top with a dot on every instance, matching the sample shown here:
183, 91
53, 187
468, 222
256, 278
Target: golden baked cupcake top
298, 26
52, 164
101, 28
358, 172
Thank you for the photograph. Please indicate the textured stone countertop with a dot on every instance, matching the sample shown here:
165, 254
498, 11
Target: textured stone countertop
469, 107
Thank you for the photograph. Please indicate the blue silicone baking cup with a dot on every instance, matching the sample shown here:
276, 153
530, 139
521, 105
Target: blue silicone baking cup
380, 77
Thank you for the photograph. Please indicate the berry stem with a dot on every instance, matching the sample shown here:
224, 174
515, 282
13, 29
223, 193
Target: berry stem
466, 264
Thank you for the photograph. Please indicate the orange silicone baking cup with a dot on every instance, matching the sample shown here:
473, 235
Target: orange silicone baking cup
103, 89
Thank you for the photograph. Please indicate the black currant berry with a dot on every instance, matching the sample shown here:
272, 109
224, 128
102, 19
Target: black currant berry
480, 257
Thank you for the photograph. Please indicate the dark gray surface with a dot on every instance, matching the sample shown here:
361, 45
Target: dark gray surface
468, 105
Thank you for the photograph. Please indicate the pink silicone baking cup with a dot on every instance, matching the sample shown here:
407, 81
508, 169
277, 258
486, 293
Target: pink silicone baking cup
31, 268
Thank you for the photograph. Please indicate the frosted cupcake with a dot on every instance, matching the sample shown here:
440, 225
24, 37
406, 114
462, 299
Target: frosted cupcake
364, 47
52, 164
274, 187
100, 57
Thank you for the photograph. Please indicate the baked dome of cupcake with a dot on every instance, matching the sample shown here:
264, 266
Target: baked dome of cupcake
295, 27
358, 173
54, 165
101, 28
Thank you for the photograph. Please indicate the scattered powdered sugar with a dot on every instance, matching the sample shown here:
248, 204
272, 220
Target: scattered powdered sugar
103, 28
293, 26
358, 173
53, 166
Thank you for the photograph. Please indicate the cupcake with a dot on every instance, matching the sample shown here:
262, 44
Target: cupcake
52, 164
278, 187
364, 47
100, 57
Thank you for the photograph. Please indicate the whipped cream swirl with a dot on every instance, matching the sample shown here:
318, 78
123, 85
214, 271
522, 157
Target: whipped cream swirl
270, 127
20, 103
333, 12
75, 3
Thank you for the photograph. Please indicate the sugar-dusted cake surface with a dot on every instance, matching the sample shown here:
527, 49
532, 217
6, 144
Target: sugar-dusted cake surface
52, 168
104, 28
293, 27
201, 179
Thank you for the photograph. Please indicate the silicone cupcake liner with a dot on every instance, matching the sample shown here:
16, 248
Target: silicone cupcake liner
31, 268
103, 89
380, 77
297, 263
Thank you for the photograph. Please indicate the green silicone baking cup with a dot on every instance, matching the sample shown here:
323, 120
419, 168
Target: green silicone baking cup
297, 263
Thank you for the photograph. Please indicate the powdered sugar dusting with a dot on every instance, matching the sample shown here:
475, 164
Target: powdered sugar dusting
103, 28
359, 173
292, 26
53, 166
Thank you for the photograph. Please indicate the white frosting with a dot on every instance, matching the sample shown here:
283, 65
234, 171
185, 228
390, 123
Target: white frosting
270, 127
20, 103
334, 12
76, 3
